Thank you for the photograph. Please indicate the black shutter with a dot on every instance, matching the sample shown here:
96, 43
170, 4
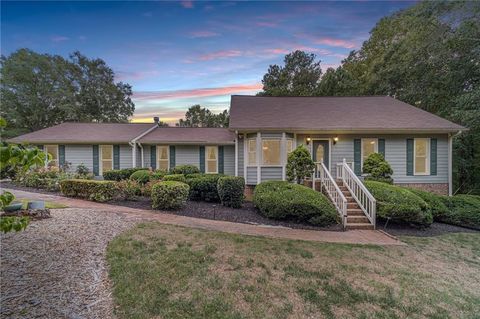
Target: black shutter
410, 156
172, 156
433, 156
220, 160
357, 154
202, 159
61, 155
116, 156
153, 157
381, 146
96, 167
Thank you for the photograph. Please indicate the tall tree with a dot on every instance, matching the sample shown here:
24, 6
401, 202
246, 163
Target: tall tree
41, 90
298, 77
197, 116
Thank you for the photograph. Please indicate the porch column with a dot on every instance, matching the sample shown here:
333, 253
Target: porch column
134, 155
450, 166
259, 149
283, 155
236, 153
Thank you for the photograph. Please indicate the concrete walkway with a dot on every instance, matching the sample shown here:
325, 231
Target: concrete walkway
373, 237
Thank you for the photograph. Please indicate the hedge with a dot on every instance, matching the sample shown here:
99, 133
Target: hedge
231, 191
169, 195
399, 204
435, 202
185, 169
141, 176
204, 187
129, 189
463, 210
175, 177
99, 191
158, 174
120, 174
282, 200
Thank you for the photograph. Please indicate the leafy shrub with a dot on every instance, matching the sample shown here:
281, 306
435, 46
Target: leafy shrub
141, 176
169, 195
158, 174
463, 210
231, 191
185, 169
175, 177
435, 202
147, 188
204, 187
399, 204
82, 169
43, 178
282, 200
377, 169
299, 164
99, 191
120, 174
129, 189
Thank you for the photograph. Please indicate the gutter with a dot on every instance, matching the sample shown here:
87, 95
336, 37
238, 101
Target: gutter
133, 144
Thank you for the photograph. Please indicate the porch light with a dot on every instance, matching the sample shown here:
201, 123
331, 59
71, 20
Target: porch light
335, 140
308, 140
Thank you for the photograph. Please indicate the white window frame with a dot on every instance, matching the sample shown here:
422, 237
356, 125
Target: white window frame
207, 160
248, 152
101, 157
428, 157
47, 162
157, 156
361, 149
262, 164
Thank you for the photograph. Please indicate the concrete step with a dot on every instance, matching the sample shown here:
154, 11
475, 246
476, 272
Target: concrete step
355, 212
357, 220
363, 226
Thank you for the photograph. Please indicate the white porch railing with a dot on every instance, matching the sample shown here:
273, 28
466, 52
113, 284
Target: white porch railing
359, 192
333, 191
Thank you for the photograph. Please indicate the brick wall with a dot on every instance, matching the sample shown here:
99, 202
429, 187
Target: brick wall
437, 188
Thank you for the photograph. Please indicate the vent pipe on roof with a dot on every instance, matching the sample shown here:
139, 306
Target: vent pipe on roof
156, 119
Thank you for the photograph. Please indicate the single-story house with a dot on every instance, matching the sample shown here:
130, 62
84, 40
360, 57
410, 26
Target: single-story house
417, 144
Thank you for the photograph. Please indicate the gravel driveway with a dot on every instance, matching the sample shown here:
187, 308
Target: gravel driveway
56, 268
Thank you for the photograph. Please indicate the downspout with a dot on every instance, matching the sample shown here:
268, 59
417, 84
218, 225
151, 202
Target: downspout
133, 144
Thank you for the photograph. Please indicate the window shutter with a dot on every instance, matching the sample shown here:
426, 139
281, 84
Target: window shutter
381, 146
116, 156
220, 160
357, 154
153, 157
172, 156
433, 156
202, 159
410, 156
96, 167
61, 155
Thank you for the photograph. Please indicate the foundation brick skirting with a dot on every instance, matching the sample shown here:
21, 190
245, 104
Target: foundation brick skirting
437, 188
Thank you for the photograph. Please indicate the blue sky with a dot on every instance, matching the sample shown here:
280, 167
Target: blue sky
176, 54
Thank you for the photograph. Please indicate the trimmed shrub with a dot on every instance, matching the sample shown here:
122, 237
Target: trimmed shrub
120, 174
282, 200
129, 189
142, 176
399, 204
99, 191
299, 164
147, 188
169, 195
230, 190
185, 169
158, 175
377, 168
435, 202
204, 187
175, 178
463, 210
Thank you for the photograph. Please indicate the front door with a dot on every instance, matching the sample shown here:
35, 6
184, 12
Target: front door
320, 152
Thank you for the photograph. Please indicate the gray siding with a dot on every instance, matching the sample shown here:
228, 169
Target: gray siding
251, 176
79, 154
229, 160
125, 156
240, 159
271, 174
187, 154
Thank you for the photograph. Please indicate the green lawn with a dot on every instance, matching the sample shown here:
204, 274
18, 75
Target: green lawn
162, 271
48, 204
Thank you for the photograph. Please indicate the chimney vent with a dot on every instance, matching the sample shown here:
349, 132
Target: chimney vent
156, 119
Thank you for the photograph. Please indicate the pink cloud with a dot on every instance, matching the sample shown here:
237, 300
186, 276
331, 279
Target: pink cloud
220, 55
59, 38
187, 4
335, 42
199, 92
203, 34
277, 51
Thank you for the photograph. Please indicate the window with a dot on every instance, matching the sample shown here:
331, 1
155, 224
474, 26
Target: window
163, 157
289, 146
211, 153
270, 152
421, 157
53, 151
106, 158
369, 146
252, 152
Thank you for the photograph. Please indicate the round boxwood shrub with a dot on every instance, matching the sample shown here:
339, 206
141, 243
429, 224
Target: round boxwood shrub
399, 204
120, 174
463, 210
158, 175
141, 177
435, 202
169, 195
175, 177
282, 200
377, 169
230, 190
185, 169
204, 187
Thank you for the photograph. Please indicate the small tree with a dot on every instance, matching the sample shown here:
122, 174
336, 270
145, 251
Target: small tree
299, 164
377, 168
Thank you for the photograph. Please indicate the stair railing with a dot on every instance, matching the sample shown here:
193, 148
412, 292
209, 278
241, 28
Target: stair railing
331, 188
360, 193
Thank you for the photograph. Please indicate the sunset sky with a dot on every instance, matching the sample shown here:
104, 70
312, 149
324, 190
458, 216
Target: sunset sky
176, 54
